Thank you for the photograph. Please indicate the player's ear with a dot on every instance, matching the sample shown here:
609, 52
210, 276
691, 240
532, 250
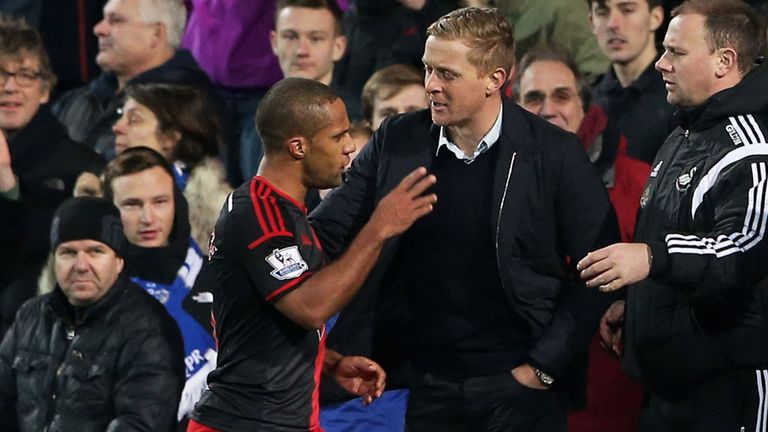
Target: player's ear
297, 147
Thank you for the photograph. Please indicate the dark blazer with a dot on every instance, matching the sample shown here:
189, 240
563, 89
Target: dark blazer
550, 209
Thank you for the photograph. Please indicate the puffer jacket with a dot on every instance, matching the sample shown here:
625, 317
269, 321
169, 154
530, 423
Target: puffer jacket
116, 366
703, 310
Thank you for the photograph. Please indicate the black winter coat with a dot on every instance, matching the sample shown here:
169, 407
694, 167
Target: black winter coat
116, 366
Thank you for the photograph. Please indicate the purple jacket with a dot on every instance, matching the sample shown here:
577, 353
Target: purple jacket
230, 41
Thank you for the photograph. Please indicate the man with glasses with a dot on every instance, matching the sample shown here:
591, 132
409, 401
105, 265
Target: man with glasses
38, 162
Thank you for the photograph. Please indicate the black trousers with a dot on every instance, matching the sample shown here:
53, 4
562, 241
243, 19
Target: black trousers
493, 403
736, 401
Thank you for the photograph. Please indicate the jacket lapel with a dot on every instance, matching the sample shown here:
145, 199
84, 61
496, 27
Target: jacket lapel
418, 150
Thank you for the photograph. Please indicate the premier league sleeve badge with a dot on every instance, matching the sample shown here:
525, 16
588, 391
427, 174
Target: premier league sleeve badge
287, 263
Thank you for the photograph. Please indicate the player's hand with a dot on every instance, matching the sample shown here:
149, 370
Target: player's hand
611, 325
407, 202
615, 266
360, 376
7, 178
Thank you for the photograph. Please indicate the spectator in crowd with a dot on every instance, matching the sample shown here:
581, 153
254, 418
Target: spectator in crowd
231, 42
631, 92
394, 89
308, 38
138, 42
178, 122
162, 259
38, 162
694, 316
507, 329
97, 353
65, 28
556, 22
381, 33
272, 296
549, 84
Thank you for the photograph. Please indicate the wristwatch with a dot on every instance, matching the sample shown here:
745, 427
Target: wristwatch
543, 377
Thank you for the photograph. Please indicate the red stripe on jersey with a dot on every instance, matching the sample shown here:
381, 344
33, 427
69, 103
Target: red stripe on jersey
269, 204
262, 239
194, 426
289, 285
287, 197
314, 419
317, 241
255, 200
280, 221
270, 207
213, 332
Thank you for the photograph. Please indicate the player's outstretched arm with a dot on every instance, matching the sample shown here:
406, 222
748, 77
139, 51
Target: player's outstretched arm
327, 291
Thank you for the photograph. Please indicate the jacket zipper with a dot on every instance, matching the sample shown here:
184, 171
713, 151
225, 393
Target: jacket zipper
501, 207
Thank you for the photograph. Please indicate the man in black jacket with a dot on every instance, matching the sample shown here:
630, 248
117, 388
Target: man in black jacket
38, 163
495, 316
695, 309
97, 353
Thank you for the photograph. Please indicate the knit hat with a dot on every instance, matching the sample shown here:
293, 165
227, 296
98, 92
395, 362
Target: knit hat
88, 218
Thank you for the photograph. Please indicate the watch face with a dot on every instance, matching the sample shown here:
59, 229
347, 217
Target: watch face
544, 378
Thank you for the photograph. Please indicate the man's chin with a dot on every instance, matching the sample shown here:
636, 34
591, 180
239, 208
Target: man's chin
102, 59
439, 121
327, 184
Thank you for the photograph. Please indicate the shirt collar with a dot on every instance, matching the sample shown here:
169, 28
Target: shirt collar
485, 143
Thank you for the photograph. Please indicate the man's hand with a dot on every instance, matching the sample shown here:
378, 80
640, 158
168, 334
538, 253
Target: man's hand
7, 178
616, 266
525, 375
397, 211
360, 376
610, 328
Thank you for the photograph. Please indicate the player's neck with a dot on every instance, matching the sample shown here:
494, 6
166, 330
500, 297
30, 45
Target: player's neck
283, 178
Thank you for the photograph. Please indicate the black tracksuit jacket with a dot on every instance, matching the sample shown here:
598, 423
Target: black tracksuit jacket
704, 213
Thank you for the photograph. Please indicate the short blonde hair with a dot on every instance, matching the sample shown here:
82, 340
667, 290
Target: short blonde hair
485, 31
